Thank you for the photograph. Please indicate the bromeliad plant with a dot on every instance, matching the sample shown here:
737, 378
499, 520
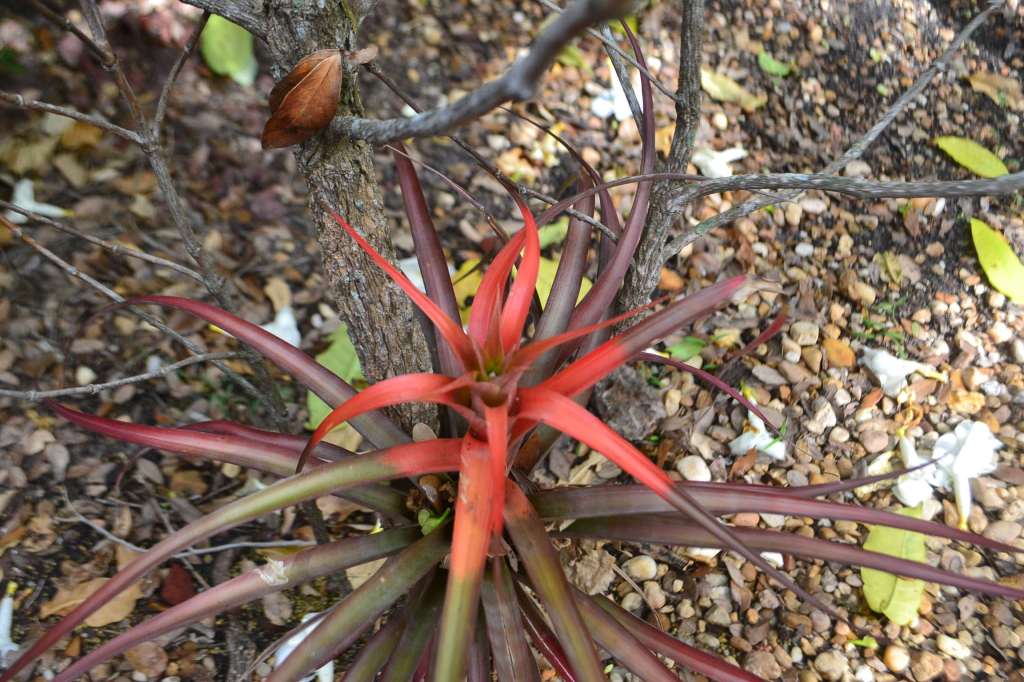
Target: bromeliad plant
482, 592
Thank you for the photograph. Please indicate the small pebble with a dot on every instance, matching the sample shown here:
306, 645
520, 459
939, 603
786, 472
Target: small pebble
641, 567
831, 665
926, 666
693, 468
804, 333
896, 658
952, 647
804, 250
874, 441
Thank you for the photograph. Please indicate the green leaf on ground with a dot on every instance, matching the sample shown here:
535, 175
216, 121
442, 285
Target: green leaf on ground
725, 89
688, 348
1002, 266
546, 279
339, 357
772, 66
972, 156
227, 49
554, 233
897, 598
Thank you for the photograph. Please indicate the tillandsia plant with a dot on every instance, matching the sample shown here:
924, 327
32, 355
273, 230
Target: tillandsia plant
482, 588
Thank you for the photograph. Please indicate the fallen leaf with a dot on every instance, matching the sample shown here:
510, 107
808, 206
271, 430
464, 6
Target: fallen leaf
686, 349
81, 135
546, 280
115, 609
278, 292
227, 49
972, 156
897, 598
998, 260
305, 100
1004, 91
339, 357
772, 66
725, 89
357, 575
177, 586
188, 482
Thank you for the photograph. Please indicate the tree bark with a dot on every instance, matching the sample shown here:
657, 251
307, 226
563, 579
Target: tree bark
643, 275
341, 177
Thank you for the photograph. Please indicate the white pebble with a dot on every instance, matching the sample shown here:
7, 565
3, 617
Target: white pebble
693, 468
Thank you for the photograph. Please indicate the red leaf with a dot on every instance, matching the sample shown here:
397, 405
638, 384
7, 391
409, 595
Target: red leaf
446, 326
177, 586
305, 100
517, 305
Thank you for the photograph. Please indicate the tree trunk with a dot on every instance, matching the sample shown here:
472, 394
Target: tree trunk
643, 275
341, 177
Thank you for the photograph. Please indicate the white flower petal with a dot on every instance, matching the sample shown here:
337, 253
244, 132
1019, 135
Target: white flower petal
758, 438
713, 164
892, 372
285, 326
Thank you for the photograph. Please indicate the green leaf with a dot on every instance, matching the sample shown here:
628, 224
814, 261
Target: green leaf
897, 598
772, 66
554, 233
867, 642
571, 55
972, 156
339, 357
227, 50
546, 279
465, 282
689, 347
1000, 263
725, 89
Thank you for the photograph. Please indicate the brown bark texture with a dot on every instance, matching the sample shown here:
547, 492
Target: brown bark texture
341, 177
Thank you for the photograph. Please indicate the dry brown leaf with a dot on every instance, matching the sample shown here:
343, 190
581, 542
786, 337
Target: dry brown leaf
305, 100
357, 575
116, 609
1004, 91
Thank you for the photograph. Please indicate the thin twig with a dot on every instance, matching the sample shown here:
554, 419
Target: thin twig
172, 76
484, 163
78, 516
94, 18
66, 24
98, 121
613, 48
113, 247
518, 83
622, 74
75, 273
93, 389
851, 154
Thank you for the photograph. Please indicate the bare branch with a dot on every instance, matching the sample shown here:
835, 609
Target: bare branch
105, 58
857, 187
245, 13
854, 152
613, 48
662, 216
483, 162
93, 389
80, 517
622, 74
518, 83
75, 273
94, 18
113, 247
172, 76
98, 121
